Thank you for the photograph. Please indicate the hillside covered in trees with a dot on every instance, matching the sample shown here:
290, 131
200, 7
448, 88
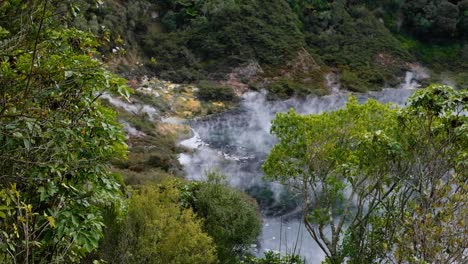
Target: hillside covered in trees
97, 96
287, 46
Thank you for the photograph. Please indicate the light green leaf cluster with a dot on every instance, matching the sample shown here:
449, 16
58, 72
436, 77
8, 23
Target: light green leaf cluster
159, 230
383, 178
55, 138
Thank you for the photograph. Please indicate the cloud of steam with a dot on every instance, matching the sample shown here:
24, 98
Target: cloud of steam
134, 108
131, 131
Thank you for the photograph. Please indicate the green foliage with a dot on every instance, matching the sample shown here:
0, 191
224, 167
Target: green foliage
286, 88
175, 61
188, 41
432, 18
274, 258
350, 80
230, 217
215, 36
441, 57
434, 138
210, 91
394, 176
158, 229
340, 36
117, 24
274, 38
56, 138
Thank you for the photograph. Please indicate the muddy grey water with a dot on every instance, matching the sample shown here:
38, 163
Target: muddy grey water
237, 143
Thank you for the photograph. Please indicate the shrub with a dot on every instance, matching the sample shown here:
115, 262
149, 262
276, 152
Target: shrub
211, 91
274, 258
285, 88
351, 81
159, 160
231, 217
353, 38
158, 230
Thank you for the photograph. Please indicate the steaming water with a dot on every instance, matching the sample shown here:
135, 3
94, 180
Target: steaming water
238, 142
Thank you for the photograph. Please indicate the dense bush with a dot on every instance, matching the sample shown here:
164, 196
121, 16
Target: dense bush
432, 18
157, 229
248, 30
215, 36
117, 23
230, 217
341, 36
173, 59
210, 91
274, 258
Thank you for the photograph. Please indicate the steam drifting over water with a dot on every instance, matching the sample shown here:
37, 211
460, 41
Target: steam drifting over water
237, 143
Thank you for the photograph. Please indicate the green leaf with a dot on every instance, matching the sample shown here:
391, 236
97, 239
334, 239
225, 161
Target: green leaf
4, 32
18, 135
69, 74
51, 221
27, 144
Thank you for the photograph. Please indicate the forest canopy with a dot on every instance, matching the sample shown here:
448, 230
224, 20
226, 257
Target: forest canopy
370, 43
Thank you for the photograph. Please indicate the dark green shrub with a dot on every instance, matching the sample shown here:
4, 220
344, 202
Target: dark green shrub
286, 88
353, 38
462, 80
173, 59
274, 258
231, 217
211, 91
351, 81
432, 19
157, 229
158, 160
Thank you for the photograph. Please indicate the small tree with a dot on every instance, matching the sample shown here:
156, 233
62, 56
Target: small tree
387, 184
433, 194
159, 230
230, 217
331, 160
